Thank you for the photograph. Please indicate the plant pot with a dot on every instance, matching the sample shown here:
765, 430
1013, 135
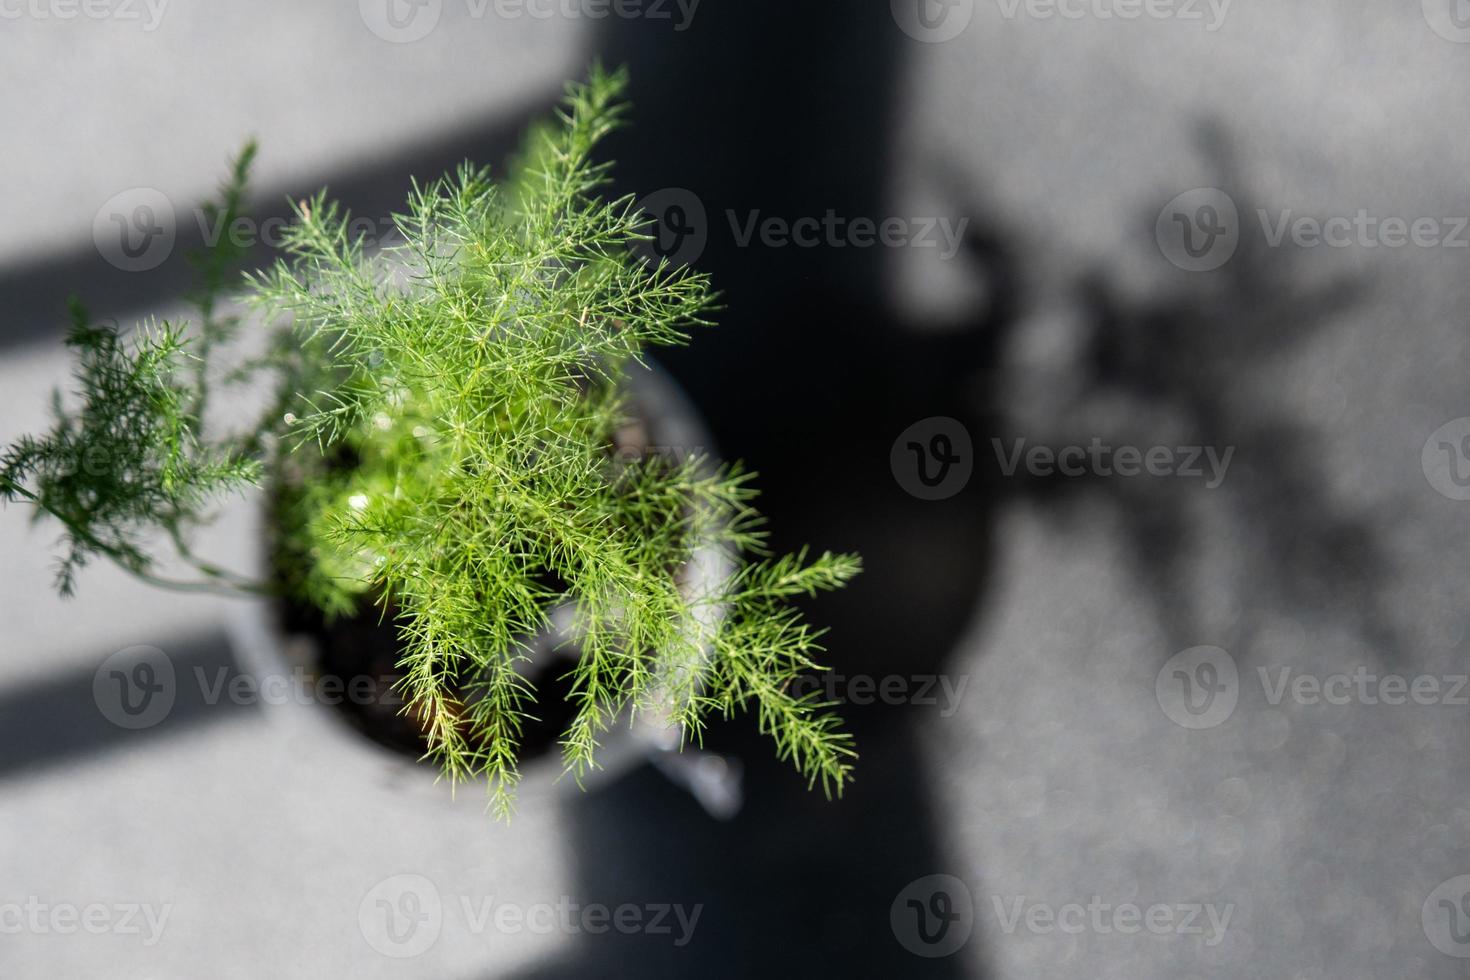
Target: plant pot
342, 675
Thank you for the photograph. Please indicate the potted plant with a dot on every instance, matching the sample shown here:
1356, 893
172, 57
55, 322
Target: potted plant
466, 466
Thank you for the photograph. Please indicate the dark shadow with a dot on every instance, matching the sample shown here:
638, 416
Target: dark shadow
52, 721
795, 885
1188, 361
781, 110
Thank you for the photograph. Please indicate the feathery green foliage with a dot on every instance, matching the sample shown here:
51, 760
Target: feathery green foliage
129, 460
441, 448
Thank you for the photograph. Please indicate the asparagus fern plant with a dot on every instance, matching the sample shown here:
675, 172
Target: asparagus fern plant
438, 449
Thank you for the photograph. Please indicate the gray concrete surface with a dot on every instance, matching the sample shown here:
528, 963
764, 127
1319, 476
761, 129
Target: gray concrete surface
1325, 829
1326, 826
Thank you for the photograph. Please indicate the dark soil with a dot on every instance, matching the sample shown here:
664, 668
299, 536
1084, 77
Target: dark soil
362, 652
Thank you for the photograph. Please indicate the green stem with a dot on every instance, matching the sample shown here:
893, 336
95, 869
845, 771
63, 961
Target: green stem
218, 582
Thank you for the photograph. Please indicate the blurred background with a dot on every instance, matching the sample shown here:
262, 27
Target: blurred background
1124, 338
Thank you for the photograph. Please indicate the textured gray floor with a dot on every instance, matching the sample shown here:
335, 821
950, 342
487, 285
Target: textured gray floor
1325, 549
1060, 779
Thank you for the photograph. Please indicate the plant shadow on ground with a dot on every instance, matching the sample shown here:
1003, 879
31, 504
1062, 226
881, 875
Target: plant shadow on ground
1191, 361
810, 377
807, 378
